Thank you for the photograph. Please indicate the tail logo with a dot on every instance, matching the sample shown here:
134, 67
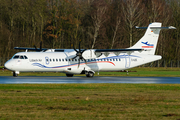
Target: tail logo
147, 45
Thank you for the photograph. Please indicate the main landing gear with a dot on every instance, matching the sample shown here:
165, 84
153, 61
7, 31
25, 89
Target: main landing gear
90, 74
69, 75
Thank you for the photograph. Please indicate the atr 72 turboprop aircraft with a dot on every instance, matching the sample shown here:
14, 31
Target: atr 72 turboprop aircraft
82, 61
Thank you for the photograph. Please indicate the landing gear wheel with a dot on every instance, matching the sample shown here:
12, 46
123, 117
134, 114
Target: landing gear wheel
69, 75
15, 74
90, 74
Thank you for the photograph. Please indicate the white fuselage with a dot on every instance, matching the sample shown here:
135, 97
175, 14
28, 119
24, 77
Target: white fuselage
62, 62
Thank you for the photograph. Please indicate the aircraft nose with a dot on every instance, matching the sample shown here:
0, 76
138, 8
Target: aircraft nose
7, 65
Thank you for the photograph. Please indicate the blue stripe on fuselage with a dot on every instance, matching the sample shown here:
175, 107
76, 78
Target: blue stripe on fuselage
91, 62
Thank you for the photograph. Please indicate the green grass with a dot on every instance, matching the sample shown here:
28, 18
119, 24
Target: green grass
147, 71
90, 101
138, 71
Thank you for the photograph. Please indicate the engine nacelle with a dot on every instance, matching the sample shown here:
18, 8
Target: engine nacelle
73, 70
89, 54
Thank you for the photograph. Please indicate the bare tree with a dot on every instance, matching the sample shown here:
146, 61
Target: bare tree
98, 17
175, 7
132, 11
117, 21
157, 9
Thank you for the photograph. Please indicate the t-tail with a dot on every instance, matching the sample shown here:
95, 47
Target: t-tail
149, 41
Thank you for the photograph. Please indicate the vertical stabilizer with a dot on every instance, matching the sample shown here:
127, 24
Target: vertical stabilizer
150, 39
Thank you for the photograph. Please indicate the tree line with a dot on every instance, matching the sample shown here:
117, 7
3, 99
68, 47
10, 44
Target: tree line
98, 24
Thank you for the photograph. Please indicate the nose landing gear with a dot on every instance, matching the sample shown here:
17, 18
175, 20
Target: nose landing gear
15, 73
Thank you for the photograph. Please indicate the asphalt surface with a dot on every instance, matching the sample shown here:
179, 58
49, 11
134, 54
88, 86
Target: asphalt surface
83, 79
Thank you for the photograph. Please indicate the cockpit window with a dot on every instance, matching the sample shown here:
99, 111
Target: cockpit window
21, 57
16, 57
25, 57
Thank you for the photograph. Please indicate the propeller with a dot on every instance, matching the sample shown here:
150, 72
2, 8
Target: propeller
79, 54
38, 49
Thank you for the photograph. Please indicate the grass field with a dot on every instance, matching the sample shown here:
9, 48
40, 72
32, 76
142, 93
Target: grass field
90, 101
138, 71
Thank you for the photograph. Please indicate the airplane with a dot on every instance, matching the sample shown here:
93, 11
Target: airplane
88, 61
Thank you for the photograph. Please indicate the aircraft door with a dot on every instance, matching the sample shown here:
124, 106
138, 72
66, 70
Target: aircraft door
46, 61
127, 60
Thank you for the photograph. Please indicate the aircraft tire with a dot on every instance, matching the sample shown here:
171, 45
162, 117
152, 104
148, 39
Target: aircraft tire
15, 74
69, 75
90, 74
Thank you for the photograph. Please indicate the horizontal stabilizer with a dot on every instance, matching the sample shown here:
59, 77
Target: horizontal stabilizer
170, 27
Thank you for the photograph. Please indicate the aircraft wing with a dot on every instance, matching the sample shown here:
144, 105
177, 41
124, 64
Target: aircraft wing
32, 49
117, 50
99, 52
38, 49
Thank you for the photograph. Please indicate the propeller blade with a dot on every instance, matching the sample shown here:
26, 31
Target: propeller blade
83, 50
35, 47
78, 62
74, 48
73, 57
85, 60
41, 46
79, 54
80, 46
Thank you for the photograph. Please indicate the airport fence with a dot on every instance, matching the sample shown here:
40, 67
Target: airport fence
159, 63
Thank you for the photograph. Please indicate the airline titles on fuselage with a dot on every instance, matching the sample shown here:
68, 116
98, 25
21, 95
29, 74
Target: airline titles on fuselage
35, 60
